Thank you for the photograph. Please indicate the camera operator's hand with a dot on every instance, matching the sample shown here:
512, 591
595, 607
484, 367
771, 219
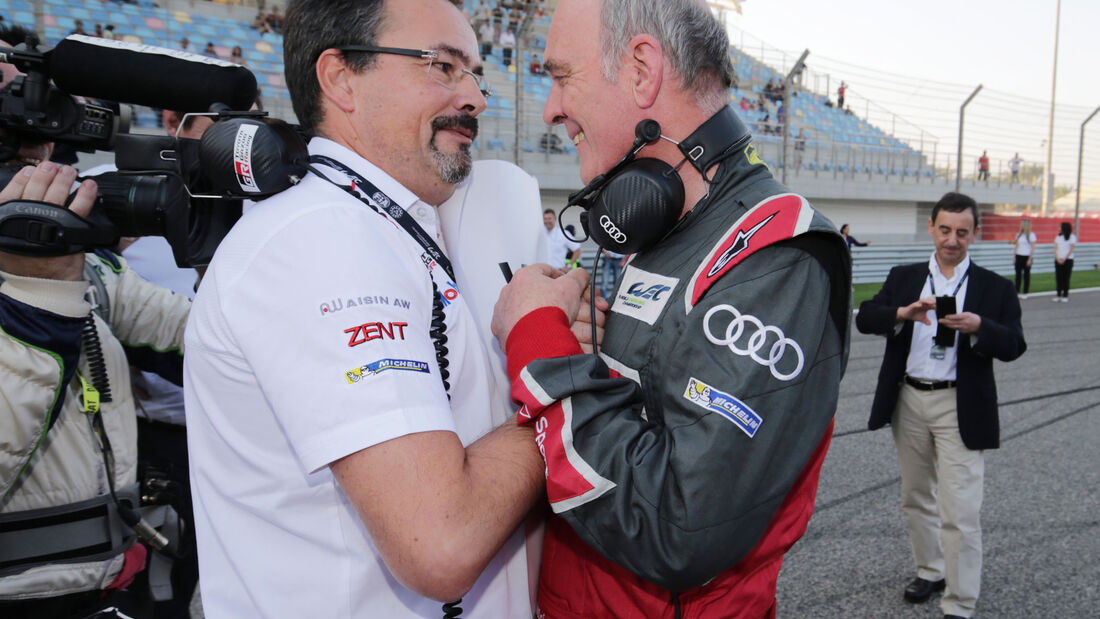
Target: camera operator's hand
49, 183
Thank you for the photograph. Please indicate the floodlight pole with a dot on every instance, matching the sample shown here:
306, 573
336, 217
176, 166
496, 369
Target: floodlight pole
959, 157
1050, 127
1080, 160
788, 83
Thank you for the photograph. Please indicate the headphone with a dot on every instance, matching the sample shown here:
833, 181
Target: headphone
635, 203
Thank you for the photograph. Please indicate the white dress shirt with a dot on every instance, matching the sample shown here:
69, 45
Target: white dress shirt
920, 363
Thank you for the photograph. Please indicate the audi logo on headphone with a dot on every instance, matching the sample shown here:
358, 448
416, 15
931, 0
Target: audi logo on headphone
612, 230
736, 328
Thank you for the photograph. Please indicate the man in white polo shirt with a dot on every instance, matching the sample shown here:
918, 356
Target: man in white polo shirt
339, 402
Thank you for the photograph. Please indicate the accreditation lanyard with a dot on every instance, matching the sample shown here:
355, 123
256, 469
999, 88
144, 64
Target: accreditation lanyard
382, 204
932, 283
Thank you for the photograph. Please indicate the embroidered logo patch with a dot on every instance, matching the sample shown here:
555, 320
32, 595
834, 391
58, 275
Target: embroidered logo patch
724, 404
643, 295
370, 369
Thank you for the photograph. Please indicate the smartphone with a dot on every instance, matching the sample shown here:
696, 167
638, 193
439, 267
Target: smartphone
945, 336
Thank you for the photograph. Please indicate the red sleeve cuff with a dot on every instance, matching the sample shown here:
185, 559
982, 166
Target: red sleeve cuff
541, 334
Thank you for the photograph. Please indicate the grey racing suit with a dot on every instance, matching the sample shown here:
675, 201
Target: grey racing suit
689, 452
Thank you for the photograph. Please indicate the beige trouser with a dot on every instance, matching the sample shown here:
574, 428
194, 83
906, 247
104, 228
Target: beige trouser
932, 455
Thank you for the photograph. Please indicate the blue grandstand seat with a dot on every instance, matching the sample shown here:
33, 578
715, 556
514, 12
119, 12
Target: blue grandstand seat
496, 144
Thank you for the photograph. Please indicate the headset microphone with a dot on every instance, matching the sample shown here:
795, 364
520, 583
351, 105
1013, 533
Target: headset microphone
635, 203
632, 205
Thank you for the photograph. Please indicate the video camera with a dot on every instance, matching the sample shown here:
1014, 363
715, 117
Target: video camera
188, 191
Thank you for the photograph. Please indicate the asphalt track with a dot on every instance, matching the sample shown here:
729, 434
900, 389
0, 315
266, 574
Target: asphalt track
1041, 512
1041, 516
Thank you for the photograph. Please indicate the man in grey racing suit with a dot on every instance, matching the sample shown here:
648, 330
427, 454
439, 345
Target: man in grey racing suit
683, 461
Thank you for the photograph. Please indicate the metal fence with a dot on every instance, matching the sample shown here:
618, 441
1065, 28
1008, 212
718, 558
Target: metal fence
872, 264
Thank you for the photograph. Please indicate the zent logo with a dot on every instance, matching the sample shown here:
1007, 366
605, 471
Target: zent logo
370, 369
612, 230
756, 341
376, 330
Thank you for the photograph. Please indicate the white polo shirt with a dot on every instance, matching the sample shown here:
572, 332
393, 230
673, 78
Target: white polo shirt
309, 341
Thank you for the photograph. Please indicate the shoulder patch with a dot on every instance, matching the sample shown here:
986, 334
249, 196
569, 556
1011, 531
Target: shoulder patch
643, 295
705, 396
775, 219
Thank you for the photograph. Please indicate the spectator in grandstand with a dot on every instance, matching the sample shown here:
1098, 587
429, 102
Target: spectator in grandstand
210, 51
507, 44
550, 143
764, 125
851, 240
746, 105
1014, 167
184, 43
650, 522
983, 167
1024, 245
260, 23
1064, 244
78, 27
780, 116
275, 20
98, 31
109, 32
536, 66
486, 35
840, 90
237, 56
480, 16
937, 391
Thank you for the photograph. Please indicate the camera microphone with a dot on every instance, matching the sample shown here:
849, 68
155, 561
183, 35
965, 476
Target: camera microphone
147, 75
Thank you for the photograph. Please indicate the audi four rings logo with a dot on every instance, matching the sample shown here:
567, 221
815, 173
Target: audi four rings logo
755, 343
612, 230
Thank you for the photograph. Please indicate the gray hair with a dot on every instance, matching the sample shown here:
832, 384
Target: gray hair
693, 41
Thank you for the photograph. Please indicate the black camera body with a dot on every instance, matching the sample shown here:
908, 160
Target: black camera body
188, 191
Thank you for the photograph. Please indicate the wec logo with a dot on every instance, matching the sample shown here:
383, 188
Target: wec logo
653, 292
612, 230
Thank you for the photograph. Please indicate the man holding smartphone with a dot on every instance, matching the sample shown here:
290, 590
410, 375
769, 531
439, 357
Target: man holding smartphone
936, 390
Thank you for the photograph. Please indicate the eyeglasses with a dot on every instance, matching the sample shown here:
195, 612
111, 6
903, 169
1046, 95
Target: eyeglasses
443, 67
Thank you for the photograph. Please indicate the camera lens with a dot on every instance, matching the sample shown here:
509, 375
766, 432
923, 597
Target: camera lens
139, 205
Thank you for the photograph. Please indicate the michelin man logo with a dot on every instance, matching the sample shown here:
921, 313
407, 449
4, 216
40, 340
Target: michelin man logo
729, 407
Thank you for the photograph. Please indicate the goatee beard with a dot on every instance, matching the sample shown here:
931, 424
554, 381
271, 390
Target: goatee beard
453, 167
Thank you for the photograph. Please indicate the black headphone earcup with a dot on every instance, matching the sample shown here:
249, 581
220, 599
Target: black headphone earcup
637, 207
253, 158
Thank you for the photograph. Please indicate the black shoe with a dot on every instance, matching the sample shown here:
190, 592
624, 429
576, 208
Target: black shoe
953, 617
919, 590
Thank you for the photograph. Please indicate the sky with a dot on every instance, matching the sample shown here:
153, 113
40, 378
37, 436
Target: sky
920, 60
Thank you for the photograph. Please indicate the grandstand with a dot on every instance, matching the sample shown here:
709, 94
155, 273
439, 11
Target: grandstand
854, 169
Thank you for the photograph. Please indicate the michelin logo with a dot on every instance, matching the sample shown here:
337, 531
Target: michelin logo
370, 369
724, 404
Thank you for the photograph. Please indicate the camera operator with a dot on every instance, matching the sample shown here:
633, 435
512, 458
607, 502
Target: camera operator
69, 327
